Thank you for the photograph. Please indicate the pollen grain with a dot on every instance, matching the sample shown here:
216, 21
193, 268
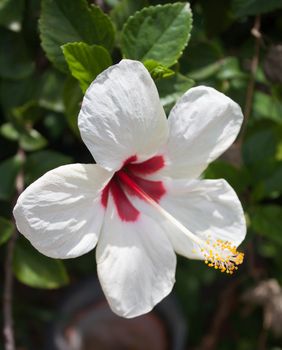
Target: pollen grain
222, 256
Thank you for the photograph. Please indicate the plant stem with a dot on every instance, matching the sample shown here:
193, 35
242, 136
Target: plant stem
8, 330
226, 304
251, 85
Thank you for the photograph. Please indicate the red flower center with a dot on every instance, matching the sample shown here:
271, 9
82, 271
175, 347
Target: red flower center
130, 181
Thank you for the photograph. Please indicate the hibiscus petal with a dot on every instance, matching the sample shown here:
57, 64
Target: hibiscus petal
136, 263
61, 213
210, 209
207, 209
121, 115
202, 125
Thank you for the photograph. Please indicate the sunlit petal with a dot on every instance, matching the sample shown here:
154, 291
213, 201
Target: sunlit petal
202, 125
136, 263
208, 208
121, 115
61, 213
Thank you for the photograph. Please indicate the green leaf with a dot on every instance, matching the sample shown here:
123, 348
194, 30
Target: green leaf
259, 155
6, 230
8, 131
254, 7
26, 115
201, 54
274, 183
124, 9
158, 33
238, 178
86, 62
32, 140
224, 69
15, 93
72, 101
230, 69
8, 172
267, 220
259, 147
29, 139
36, 270
271, 185
39, 163
112, 3
267, 107
51, 91
207, 71
172, 89
64, 21
278, 155
11, 14
158, 71
3, 4
15, 62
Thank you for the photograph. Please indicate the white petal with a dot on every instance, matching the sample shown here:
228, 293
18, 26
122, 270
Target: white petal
61, 213
206, 208
136, 263
202, 125
121, 115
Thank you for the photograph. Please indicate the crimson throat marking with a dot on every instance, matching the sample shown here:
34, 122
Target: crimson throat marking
130, 181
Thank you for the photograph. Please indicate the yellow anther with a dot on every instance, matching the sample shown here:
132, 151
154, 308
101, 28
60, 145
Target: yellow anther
222, 256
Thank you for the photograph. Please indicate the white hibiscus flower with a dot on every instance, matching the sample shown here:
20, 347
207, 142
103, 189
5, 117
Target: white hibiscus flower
143, 200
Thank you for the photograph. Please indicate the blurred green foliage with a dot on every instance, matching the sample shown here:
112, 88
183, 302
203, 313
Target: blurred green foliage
51, 50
